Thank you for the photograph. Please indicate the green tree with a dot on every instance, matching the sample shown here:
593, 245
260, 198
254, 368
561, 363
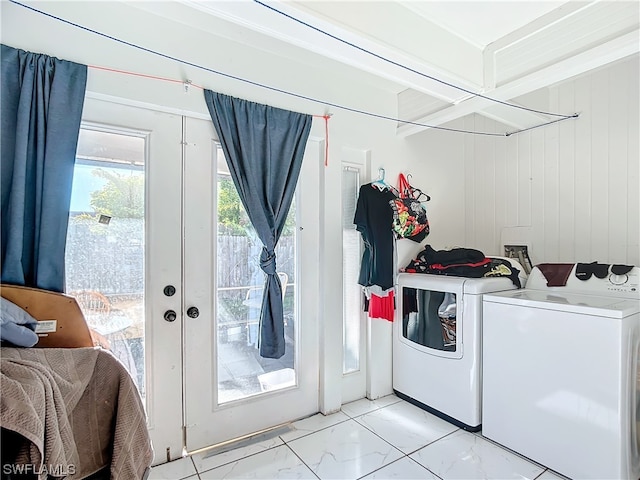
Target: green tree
122, 196
232, 216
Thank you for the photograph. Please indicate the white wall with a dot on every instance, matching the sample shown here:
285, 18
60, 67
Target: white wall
574, 183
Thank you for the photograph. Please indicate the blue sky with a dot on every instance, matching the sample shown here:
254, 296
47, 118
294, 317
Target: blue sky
84, 182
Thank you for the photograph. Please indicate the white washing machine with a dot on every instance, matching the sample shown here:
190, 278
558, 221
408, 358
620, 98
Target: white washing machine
437, 356
560, 373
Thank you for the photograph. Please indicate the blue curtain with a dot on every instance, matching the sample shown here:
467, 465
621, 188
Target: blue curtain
264, 147
42, 99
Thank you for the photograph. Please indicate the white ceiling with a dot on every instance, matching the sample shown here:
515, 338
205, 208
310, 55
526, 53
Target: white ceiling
435, 55
480, 22
425, 62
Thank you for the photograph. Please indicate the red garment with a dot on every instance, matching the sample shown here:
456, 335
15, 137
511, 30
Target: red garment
381, 307
439, 266
556, 274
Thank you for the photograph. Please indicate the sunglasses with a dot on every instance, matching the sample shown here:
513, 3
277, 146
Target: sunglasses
584, 271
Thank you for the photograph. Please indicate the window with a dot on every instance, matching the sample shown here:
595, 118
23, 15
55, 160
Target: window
351, 257
242, 372
105, 242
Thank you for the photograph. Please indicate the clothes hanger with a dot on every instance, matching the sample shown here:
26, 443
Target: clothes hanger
380, 184
419, 194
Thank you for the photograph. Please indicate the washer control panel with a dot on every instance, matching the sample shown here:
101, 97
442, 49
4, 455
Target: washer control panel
607, 280
625, 283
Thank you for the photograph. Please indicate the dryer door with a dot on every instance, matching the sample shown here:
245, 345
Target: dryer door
431, 319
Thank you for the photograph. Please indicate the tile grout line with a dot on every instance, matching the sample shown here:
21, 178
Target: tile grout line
241, 458
393, 446
357, 423
194, 467
303, 462
319, 430
414, 451
502, 447
402, 452
434, 441
284, 442
374, 409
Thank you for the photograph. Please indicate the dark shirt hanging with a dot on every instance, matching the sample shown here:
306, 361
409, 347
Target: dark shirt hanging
373, 219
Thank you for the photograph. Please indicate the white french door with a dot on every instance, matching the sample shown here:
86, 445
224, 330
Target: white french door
116, 140
230, 391
189, 326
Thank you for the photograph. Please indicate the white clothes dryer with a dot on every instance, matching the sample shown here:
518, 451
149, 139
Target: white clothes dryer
560, 373
437, 343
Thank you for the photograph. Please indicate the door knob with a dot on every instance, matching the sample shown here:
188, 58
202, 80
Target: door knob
170, 316
169, 290
193, 312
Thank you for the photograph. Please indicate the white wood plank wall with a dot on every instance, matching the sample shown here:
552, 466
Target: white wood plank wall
575, 183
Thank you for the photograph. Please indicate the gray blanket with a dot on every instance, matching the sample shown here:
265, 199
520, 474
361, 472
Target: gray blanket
78, 408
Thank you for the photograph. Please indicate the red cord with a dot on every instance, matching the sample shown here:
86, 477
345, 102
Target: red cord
326, 137
188, 83
326, 141
154, 77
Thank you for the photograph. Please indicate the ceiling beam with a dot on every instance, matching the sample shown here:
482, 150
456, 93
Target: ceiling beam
598, 56
517, 119
259, 18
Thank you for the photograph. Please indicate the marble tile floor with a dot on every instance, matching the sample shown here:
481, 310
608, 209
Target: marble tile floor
385, 439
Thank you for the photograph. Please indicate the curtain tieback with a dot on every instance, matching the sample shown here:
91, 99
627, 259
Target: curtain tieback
268, 261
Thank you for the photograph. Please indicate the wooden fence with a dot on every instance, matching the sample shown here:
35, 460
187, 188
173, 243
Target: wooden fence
110, 258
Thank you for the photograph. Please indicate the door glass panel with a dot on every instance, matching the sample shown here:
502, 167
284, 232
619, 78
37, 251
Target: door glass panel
351, 255
105, 243
429, 318
241, 371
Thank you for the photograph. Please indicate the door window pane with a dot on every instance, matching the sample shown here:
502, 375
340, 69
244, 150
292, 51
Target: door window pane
105, 243
242, 372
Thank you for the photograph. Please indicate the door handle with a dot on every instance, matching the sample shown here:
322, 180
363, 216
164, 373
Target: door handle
170, 316
193, 312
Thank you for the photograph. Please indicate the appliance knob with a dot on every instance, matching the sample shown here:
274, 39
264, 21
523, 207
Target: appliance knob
618, 279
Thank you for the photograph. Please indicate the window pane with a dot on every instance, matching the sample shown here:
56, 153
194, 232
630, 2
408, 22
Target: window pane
351, 255
241, 370
105, 243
